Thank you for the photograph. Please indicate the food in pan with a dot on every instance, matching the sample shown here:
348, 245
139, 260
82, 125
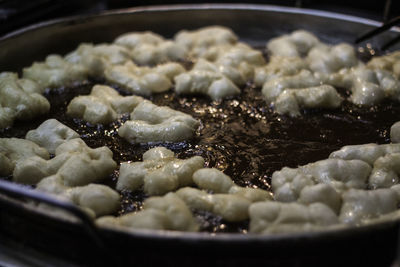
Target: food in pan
143, 80
20, 99
151, 123
134, 128
51, 134
149, 48
103, 105
159, 172
95, 199
75, 163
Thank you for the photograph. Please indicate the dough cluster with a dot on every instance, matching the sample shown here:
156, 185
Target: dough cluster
55, 71
160, 172
148, 122
300, 64
223, 64
74, 162
20, 99
302, 72
70, 174
152, 123
51, 134
358, 184
103, 105
149, 48
143, 80
159, 213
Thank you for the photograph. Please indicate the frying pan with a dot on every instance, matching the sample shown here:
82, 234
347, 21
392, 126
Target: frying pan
26, 229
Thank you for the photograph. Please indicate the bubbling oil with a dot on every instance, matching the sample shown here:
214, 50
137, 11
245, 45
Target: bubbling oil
240, 136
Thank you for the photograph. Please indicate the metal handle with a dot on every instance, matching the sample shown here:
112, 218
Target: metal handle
20, 191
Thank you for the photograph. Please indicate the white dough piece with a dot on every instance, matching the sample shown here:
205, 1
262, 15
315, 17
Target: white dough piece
234, 55
170, 69
352, 173
322, 193
368, 86
75, 163
50, 134
278, 66
197, 42
158, 153
243, 59
232, 73
291, 185
288, 183
55, 71
396, 188
99, 199
151, 219
236, 62
134, 39
389, 62
20, 99
151, 123
149, 48
361, 205
6, 117
160, 172
231, 207
366, 93
329, 59
178, 213
103, 105
274, 217
196, 199
13, 150
143, 80
212, 179
201, 200
159, 213
389, 84
53, 184
96, 58
6, 165
251, 194
366, 152
274, 87
290, 101
148, 54
296, 44
231, 202
197, 81
395, 132
386, 171
27, 85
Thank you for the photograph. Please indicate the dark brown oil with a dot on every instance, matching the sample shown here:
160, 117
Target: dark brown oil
240, 136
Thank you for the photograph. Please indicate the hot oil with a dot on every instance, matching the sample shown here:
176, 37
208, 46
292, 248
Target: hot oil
240, 136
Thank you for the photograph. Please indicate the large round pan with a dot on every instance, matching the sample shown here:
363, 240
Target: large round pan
25, 227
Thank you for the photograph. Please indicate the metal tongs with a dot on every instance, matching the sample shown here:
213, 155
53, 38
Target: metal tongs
384, 27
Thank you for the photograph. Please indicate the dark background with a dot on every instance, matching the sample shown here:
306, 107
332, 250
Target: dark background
15, 14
